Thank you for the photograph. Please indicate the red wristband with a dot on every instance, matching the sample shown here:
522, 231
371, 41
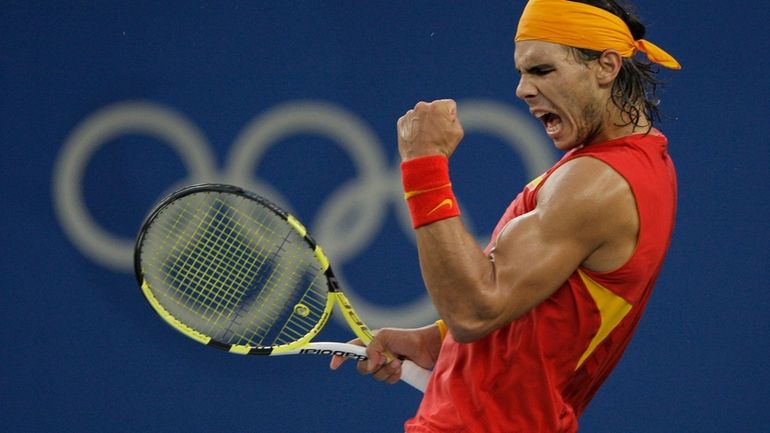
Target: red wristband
427, 190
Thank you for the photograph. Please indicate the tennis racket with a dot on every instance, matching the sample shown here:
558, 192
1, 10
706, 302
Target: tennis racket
232, 270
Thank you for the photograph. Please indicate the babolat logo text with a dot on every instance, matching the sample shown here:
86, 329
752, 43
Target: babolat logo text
328, 352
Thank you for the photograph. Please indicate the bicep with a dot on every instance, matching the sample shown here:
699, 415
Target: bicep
533, 257
582, 208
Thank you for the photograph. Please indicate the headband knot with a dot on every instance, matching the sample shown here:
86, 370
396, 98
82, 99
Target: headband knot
584, 26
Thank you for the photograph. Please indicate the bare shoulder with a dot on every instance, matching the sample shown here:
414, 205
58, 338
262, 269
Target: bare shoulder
584, 178
588, 199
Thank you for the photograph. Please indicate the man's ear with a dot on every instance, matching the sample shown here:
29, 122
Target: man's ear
609, 66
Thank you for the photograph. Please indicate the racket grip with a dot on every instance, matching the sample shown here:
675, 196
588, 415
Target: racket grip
415, 375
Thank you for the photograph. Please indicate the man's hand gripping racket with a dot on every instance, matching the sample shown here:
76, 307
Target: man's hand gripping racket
232, 270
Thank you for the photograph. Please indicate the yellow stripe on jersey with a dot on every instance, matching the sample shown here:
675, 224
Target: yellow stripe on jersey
535, 182
612, 309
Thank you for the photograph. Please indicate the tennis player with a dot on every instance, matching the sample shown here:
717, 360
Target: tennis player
533, 324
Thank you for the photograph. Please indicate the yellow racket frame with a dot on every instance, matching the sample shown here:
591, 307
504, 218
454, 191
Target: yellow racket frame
335, 296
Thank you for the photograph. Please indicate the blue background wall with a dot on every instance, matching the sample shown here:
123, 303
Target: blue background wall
82, 351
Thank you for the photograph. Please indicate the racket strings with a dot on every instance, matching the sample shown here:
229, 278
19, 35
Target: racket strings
223, 267
307, 312
198, 259
234, 270
222, 278
254, 328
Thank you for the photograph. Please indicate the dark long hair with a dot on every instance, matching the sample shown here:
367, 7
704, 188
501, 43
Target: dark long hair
634, 89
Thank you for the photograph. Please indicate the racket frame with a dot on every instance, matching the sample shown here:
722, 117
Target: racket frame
411, 373
335, 295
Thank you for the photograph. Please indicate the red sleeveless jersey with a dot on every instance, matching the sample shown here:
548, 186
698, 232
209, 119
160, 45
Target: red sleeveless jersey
538, 373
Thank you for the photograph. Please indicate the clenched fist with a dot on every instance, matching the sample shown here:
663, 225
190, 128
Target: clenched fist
430, 128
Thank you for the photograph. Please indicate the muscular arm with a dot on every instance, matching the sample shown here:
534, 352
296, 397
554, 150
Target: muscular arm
585, 215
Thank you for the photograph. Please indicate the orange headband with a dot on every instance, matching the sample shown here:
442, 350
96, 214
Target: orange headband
584, 26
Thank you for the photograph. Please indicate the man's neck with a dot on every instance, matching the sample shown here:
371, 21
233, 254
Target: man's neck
618, 125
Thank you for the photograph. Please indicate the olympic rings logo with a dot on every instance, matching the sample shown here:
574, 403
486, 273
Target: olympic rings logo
376, 185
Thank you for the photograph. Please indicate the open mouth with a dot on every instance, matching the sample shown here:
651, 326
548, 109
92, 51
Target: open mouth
551, 122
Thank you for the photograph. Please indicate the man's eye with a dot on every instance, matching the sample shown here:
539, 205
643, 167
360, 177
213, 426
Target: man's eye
542, 71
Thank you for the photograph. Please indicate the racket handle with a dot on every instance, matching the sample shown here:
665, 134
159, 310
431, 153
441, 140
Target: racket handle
415, 375
411, 373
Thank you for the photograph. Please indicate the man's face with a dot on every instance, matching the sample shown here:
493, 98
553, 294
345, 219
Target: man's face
561, 92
